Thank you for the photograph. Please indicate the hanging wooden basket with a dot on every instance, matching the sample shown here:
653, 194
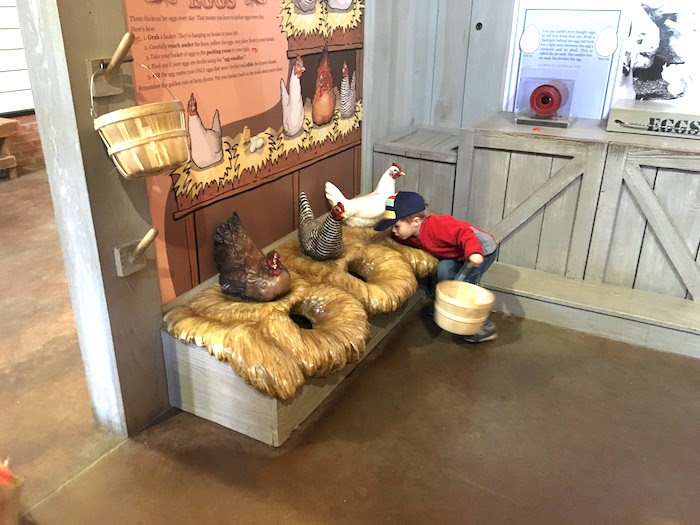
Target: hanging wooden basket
145, 140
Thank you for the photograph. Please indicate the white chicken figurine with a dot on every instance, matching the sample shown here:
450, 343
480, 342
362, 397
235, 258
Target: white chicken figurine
320, 241
365, 211
348, 94
341, 5
205, 144
292, 103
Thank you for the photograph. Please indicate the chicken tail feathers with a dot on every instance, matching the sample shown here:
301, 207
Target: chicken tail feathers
283, 92
333, 194
224, 245
306, 214
231, 246
216, 123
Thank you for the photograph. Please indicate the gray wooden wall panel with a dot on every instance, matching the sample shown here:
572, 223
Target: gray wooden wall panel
586, 209
487, 59
433, 180
527, 173
436, 185
427, 65
626, 242
558, 223
606, 214
411, 168
400, 40
488, 188
451, 51
464, 173
677, 192
667, 233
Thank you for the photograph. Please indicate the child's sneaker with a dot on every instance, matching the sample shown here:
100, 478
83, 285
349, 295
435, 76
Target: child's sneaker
487, 333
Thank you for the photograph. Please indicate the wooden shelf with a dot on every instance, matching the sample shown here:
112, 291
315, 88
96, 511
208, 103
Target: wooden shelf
339, 41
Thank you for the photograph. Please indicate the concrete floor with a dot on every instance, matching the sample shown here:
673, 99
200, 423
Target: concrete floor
543, 425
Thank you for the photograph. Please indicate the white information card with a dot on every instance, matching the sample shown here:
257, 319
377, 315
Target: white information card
579, 45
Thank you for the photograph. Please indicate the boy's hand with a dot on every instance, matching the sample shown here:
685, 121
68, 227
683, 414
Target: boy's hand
475, 259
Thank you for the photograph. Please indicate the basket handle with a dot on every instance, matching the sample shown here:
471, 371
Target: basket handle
120, 53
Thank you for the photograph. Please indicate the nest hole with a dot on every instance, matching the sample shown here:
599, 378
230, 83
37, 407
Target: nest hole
357, 276
302, 321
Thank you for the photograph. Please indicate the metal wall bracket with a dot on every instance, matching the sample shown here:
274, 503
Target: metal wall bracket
104, 85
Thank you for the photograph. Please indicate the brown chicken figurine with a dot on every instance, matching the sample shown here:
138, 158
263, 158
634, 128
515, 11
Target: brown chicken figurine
323, 105
244, 270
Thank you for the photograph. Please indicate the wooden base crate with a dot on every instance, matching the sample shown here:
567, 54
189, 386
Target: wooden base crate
201, 385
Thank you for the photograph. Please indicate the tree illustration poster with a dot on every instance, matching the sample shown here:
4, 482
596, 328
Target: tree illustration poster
248, 74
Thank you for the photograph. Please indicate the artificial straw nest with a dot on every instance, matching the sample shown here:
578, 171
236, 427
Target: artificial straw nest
422, 263
264, 344
375, 275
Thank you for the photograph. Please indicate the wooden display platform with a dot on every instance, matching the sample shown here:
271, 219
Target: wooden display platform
201, 385
633, 316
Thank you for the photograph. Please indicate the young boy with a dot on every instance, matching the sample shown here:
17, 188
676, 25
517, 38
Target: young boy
464, 251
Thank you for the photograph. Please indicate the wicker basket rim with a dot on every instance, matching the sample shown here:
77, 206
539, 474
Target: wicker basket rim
133, 112
456, 318
133, 143
443, 296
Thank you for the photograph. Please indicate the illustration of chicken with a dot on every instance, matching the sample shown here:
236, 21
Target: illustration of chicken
365, 211
292, 103
320, 241
305, 5
205, 144
341, 5
323, 104
348, 95
244, 270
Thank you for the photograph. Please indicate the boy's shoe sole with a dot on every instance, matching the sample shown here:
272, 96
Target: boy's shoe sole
476, 338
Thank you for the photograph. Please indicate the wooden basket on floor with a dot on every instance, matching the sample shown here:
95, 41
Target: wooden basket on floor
461, 308
145, 140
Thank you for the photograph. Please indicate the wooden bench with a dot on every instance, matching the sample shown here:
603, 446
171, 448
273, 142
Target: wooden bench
642, 318
8, 163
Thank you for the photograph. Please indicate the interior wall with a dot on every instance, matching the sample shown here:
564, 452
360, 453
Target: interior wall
421, 60
428, 64
117, 319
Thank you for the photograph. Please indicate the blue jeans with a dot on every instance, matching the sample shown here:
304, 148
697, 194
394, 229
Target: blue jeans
452, 269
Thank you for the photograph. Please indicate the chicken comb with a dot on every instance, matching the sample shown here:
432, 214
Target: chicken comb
396, 165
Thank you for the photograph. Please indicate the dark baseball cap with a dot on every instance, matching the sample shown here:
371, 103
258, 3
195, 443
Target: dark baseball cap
398, 206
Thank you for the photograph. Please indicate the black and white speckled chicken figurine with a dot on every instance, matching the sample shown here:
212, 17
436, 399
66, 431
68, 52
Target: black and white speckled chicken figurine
348, 93
320, 241
244, 270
